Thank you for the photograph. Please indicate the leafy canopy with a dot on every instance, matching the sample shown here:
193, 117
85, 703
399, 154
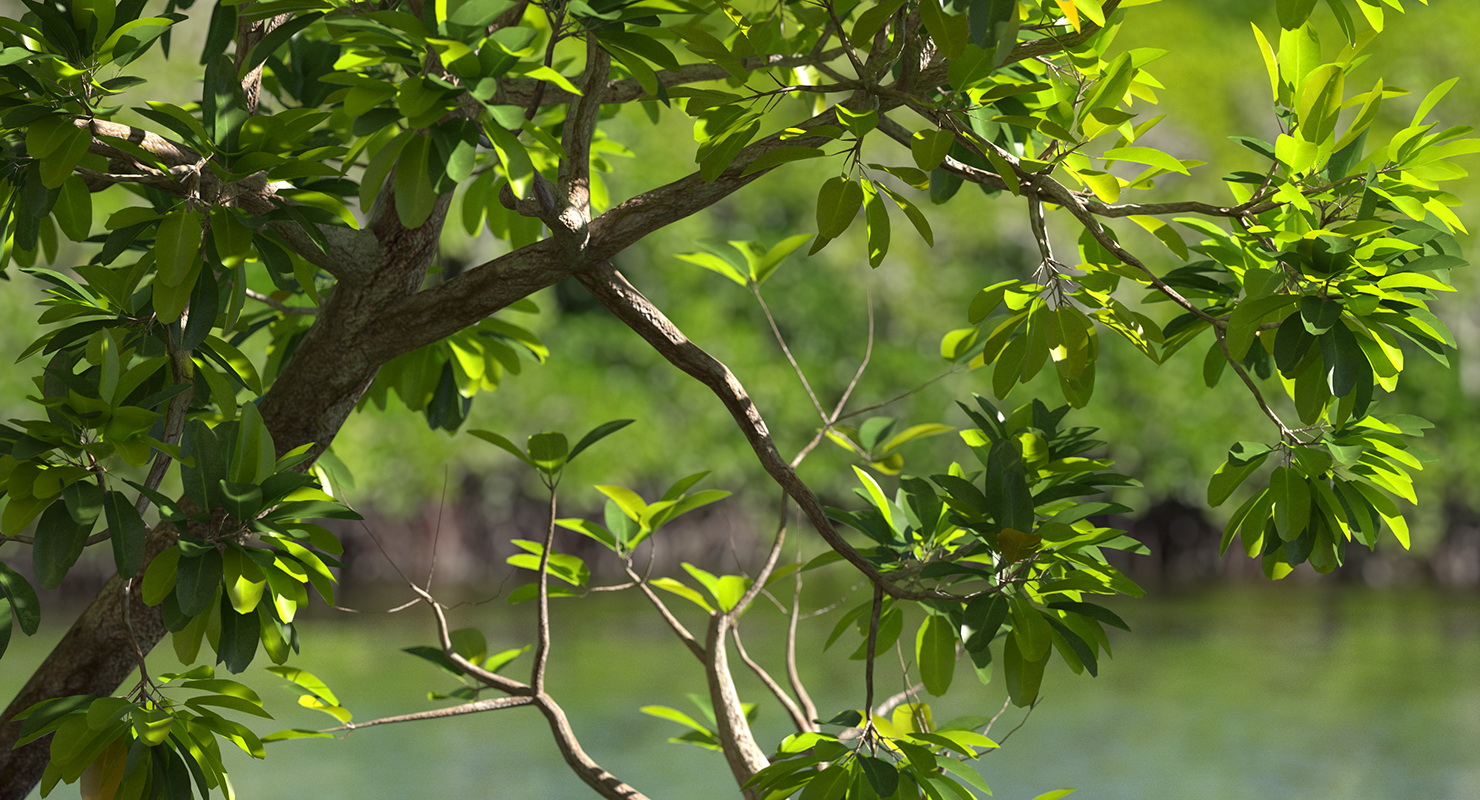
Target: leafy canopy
226, 279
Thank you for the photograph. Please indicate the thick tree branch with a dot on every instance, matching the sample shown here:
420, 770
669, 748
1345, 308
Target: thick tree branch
732, 729
250, 33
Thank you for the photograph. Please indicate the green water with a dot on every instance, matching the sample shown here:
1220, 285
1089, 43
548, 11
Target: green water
1289, 692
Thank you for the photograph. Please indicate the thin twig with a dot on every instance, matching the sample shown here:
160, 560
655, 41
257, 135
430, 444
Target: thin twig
673, 624
475, 707
796, 368
542, 632
278, 305
870, 652
799, 720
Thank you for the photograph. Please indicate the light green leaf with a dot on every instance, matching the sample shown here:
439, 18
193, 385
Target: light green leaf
1146, 155
678, 588
629, 501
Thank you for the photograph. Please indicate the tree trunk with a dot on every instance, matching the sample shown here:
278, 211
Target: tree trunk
92, 658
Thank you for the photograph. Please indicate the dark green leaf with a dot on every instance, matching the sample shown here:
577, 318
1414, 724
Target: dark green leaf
126, 533
882, 776
837, 204
59, 542
197, 580
22, 599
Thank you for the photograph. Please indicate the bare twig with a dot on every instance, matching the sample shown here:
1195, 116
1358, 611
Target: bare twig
793, 677
799, 719
278, 305
542, 632
475, 707
677, 627
796, 368
869, 654
444, 638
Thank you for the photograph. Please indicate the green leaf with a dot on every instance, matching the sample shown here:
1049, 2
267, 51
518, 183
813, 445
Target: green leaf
415, 196
177, 247
1024, 676
1291, 497
882, 775
73, 210
197, 580
838, 202
22, 599
911, 212
58, 543
729, 590
1294, 13
1243, 323
57, 167
1146, 155
678, 588
306, 681
876, 217
596, 434
548, 452
502, 443
629, 501
767, 264
1228, 478
254, 457
1029, 629
935, 651
126, 533
930, 147
714, 263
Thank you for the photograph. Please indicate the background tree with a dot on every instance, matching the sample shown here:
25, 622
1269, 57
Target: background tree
266, 264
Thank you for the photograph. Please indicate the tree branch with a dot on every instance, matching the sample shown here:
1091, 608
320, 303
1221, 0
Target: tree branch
542, 630
799, 719
639, 314
475, 707
350, 251
603, 782
673, 624
731, 728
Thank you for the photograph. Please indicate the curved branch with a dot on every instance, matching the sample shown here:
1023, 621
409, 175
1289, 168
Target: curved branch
799, 719
639, 314
603, 782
